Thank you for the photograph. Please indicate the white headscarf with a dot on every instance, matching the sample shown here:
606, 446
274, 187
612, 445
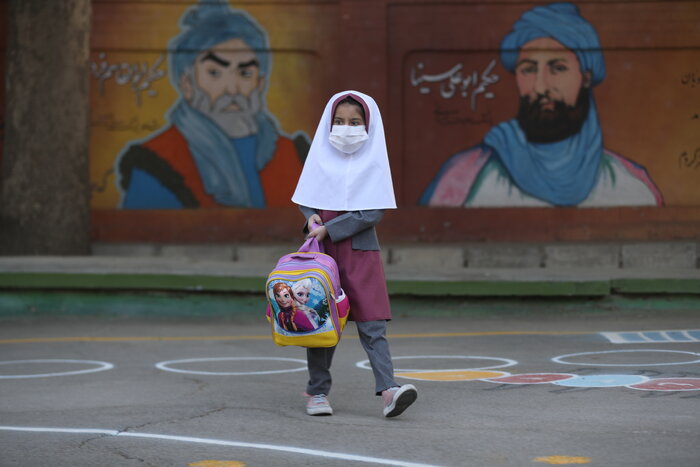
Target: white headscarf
334, 181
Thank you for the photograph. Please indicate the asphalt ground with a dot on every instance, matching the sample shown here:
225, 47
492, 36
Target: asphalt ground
507, 388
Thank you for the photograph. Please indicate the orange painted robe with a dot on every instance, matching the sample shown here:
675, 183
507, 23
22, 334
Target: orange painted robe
278, 178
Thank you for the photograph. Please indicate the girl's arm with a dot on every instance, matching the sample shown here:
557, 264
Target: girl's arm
348, 224
307, 212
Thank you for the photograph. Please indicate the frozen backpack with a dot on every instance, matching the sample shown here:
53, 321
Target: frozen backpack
305, 303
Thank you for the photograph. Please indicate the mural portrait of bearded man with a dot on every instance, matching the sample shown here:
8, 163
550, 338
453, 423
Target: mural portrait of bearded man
222, 147
552, 153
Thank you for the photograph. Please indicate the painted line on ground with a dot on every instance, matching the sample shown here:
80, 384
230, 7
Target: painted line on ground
221, 442
676, 336
50, 340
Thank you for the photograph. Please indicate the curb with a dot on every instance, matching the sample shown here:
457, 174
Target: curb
255, 284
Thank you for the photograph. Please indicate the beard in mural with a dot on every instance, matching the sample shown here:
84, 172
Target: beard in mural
222, 147
235, 115
549, 125
552, 153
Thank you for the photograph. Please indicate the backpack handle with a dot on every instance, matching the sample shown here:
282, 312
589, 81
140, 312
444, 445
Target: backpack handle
311, 244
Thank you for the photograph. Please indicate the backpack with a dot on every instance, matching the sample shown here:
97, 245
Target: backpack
305, 304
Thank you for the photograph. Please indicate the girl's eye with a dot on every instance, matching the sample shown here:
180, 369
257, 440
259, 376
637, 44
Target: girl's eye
214, 73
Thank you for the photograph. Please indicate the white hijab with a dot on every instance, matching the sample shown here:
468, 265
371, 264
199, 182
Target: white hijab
334, 181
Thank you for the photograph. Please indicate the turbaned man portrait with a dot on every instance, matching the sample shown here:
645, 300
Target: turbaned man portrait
222, 148
552, 153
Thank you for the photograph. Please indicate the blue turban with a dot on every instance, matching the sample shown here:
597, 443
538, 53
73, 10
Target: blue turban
209, 23
563, 23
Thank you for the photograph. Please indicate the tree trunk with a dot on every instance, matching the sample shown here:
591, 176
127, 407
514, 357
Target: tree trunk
44, 185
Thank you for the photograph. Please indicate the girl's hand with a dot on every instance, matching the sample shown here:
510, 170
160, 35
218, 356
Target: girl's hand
316, 228
319, 232
313, 222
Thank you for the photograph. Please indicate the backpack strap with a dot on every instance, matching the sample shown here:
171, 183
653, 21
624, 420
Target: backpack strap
311, 245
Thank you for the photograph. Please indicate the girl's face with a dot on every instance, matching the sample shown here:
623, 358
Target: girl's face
302, 295
284, 298
348, 114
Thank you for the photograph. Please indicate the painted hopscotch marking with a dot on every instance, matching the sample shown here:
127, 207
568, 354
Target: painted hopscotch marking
560, 379
669, 384
165, 366
562, 460
601, 381
100, 366
222, 442
213, 463
532, 378
653, 337
452, 374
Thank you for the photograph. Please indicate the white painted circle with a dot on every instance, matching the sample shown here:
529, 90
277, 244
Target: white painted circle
100, 366
165, 366
506, 362
561, 358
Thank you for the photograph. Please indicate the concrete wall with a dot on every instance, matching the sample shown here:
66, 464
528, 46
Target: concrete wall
674, 256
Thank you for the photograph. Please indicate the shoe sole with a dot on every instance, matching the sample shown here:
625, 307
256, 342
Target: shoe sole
402, 402
319, 412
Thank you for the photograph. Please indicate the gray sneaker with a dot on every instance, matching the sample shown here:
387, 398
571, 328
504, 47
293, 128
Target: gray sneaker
398, 399
318, 405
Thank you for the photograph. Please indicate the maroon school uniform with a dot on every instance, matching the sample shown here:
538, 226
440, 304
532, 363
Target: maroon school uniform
361, 276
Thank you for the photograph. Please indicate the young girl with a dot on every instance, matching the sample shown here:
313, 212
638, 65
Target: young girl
343, 190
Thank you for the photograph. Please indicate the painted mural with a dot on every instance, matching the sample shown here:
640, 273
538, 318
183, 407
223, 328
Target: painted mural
209, 104
211, 141
552, 153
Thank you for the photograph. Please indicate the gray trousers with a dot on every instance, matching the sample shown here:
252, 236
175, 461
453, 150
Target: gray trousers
373, 338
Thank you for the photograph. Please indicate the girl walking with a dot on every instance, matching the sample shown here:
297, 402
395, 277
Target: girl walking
344, 188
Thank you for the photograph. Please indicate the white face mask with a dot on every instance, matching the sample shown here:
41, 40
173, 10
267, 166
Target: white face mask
348, 139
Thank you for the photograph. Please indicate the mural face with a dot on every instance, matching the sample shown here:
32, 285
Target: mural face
552, 153
226, 86
548, 72
210, 140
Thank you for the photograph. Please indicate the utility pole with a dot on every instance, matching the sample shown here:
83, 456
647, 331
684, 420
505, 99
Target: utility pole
44, 177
